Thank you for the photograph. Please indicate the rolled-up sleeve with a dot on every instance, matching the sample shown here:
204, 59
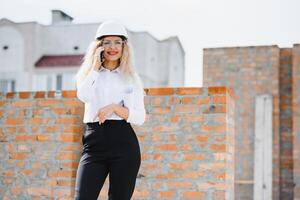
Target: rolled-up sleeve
84, 89
134, 101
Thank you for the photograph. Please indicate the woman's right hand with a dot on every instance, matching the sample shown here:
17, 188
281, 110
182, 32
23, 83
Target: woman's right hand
97, 58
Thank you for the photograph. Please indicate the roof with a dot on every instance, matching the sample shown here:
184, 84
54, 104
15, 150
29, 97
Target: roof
59, 60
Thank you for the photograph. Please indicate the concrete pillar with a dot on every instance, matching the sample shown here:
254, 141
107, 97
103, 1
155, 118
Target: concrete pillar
263, 148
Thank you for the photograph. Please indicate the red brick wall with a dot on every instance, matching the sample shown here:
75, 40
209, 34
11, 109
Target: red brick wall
286, 139
250, 71
187, 144
296, 119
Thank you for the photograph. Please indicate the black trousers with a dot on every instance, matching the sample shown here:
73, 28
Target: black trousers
111, 148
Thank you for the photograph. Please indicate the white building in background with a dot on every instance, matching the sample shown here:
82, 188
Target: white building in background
37, 57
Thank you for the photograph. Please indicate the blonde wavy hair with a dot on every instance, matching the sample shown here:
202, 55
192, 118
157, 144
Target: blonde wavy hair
126, 62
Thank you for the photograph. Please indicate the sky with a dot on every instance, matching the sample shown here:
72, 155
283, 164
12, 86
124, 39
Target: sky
197, 23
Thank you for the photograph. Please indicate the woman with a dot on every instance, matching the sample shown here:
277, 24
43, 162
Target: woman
114, 98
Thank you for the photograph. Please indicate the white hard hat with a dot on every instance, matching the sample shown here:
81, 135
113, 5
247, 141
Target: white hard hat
111, 28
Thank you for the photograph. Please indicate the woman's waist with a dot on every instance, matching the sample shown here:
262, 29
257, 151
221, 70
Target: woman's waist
119, 124
108, 121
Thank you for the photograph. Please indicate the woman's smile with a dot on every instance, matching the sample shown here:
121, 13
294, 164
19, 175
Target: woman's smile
112, 53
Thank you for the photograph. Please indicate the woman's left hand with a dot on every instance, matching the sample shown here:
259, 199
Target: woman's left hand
105, 112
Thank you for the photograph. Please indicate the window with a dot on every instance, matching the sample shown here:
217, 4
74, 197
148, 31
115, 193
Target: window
59, 82
7, 86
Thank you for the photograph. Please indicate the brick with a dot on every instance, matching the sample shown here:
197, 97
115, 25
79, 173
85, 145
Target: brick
39, 191
63, 192
71, 164
166, 176
156, 137
186, 90
216, 90
8, 173
72, 129
175, 119
52, 182
14, 121
159, 91
185, 147
167, 147
68, 120
193, 195
43, 138
214, 165
51, 129
219, 99
220, 175
69, 94
51, 94
220, 156
39, 121
160, 110
179, 166
65, 183
220, 138
166, 194
19, 156
140, 193
48, 103
62, 173
174, 100
27, 172
67, 156
218, 147
208, 128
2, 103
202, 138
144, 156
194, 118
212, 185
68, 111
172, 138
164, 128
37, 112
194, 157
36, 165
150, 166
26, 138
216, 109
24, 95
16, 190
21, 164
203, 100
157, 156
72, 103
70, 138
186, 109
193, 174
39, 95
179, 185
22, 103
156, 101
10, 95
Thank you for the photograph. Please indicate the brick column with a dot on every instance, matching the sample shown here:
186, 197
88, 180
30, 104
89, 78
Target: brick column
296, 119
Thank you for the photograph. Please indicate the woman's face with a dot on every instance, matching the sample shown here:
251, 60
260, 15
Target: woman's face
113, 47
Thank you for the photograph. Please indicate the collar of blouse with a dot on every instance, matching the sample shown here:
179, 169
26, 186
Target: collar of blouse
114, 70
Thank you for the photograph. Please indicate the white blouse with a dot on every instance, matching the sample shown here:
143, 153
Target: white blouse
103, 87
